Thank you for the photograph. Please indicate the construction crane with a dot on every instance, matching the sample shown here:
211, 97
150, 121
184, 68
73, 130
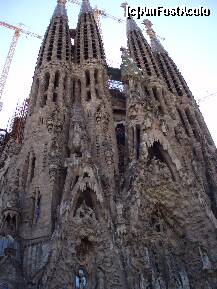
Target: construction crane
6, 68
18, 31
101, 13
98, 13
206, 97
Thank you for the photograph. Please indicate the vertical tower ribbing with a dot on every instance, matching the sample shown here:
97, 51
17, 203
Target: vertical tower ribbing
95, 98
47, 121
190, 117
140, 50
88, 40
51, 83
172, 76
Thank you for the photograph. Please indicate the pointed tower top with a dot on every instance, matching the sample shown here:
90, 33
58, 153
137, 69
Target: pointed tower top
131, 25
155, 42
60, 10
85, 7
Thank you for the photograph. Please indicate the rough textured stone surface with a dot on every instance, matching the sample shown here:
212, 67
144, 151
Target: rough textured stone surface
109, 188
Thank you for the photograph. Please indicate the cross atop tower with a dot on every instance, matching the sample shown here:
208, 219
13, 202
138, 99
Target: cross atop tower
124, 5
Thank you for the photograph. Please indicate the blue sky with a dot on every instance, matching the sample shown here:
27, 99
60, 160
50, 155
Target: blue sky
191, 42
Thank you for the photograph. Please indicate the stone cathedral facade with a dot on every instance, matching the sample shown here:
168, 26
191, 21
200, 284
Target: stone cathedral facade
110, 188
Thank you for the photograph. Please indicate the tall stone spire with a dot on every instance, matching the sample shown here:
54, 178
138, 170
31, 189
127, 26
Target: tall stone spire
91, 77
56, 44
47, 120
60, 10
55, 50
88, 42
85, 7
172, 76
140, 50
109, 188
132, 25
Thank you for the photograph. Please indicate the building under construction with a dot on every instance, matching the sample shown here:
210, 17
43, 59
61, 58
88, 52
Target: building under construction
107, 176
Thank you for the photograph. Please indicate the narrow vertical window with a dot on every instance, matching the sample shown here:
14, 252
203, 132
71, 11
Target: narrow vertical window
79, 87
37, 208
155, 93
56, 79
55, 97
133, 138
138, 140
96, 76
88, 96
87, 76
120, 136
25, 172
72, 91
45, 88
33, 168
46, 81
65, 82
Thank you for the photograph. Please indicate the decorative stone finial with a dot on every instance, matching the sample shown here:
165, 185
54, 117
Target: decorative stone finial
131, 23
150, 31
155, 43
124, 5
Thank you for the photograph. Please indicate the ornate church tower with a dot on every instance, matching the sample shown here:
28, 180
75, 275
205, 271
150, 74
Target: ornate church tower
201, 142
70, 216
165, 181
38, 162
